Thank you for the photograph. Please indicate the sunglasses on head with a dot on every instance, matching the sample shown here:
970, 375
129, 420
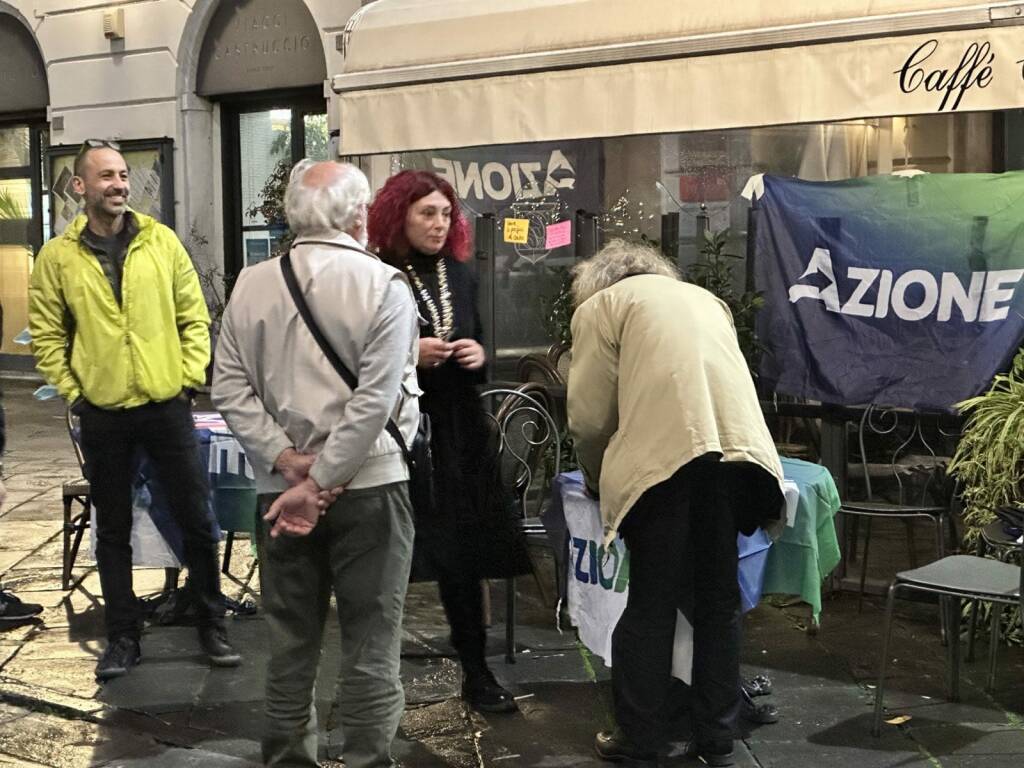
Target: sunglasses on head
97, 143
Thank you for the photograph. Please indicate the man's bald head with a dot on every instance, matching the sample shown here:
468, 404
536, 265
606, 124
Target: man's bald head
326, 197
323, 174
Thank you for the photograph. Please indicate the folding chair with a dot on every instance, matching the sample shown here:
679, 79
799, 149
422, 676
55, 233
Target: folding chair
75, 493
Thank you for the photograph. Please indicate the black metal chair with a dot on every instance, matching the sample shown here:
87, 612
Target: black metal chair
528, 435
75, 493
992, 539
538, 368
907, 469
955, 578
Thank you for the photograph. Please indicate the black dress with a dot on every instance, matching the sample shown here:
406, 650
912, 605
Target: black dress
473, 530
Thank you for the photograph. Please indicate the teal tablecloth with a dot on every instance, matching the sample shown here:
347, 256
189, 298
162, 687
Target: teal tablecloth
808, 550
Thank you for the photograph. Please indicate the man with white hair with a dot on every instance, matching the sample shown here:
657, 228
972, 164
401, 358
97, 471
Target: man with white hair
669, 433
332, 481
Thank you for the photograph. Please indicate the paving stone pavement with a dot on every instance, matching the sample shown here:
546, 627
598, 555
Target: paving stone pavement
173, 710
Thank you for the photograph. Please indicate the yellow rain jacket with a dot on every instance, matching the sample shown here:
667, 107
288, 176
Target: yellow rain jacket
147, 349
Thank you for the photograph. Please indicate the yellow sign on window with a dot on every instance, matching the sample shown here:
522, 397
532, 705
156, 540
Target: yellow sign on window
517, 231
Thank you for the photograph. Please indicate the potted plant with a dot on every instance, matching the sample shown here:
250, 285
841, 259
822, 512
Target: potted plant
989, 464
713, 271
989, 460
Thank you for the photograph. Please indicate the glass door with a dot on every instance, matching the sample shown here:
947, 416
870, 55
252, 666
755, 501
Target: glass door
21, 229
264, 141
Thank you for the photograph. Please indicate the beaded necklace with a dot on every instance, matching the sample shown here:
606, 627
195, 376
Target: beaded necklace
443, 321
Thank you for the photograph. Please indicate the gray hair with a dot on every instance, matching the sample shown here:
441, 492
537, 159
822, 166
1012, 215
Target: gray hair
615, 261
333, 204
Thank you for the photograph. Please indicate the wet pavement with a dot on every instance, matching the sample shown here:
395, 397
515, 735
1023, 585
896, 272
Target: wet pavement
173, 710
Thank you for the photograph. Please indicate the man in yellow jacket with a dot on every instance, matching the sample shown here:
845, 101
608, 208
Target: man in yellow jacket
669, 433
120, 327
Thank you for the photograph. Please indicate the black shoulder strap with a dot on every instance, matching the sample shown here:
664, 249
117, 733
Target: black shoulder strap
332, 356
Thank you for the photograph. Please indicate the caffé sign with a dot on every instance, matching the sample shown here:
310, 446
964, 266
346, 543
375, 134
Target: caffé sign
256, 45
952, 72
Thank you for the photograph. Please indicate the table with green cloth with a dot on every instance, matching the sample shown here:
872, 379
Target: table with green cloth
808, 549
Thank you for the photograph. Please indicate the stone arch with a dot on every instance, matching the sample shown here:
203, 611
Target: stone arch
197, 208
6, 9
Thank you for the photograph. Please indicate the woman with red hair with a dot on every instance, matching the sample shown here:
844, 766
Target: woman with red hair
416, 225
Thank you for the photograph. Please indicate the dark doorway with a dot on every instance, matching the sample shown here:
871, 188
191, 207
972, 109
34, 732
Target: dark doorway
262, 138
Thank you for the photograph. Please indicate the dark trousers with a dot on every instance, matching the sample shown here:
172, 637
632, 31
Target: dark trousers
462, 598
110, 439
681, 536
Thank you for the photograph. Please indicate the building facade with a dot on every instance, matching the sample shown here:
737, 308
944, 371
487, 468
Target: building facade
212, 100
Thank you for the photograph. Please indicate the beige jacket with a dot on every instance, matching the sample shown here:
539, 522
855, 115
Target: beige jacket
657, 380
276, 388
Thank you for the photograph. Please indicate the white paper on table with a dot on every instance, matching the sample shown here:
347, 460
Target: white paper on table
792, 493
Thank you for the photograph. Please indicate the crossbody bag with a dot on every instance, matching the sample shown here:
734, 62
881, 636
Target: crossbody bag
418, 457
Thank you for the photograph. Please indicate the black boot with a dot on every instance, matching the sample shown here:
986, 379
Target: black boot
483, 692
121, 655
214, 640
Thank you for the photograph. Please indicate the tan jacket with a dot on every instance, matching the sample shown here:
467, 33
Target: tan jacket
657, 380
276, 388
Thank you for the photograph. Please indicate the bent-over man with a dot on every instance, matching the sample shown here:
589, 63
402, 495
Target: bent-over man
669, 431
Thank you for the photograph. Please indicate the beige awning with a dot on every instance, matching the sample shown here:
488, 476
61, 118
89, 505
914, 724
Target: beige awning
452, 73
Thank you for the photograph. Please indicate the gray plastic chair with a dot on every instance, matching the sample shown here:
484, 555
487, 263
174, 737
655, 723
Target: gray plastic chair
954, 579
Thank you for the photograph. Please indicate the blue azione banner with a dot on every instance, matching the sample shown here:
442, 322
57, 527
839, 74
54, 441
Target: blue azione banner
897, 290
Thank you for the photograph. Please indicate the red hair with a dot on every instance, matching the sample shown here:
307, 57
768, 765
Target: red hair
386, 223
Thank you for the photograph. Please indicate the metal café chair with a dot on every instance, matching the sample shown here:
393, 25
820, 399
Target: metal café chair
528, 434
955, 578
992, 539
560, 356
904, 467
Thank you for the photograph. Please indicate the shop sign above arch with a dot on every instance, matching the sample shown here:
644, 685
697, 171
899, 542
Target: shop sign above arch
260, 45
23, 86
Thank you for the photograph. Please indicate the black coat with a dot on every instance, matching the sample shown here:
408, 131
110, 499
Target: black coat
474, 527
